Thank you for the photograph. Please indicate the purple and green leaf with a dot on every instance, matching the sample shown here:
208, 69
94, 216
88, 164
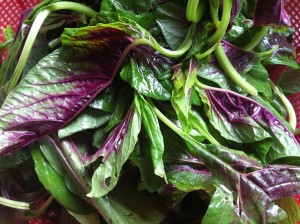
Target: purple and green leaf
62, 84
114, 152
253, 188
244, 120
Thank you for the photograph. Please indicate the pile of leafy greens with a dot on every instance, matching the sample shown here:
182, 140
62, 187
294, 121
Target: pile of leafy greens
150, 111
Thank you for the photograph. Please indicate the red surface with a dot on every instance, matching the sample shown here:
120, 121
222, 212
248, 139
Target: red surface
10, 11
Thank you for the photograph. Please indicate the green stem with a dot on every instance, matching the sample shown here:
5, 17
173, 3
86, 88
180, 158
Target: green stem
290, 109
256, 39
217, 36
14, 204
38, 21
197, 148
232, 72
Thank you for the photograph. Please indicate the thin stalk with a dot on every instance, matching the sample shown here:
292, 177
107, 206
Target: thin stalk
289, 107
36, 25
14, 204
217, 36
232, 72
256, 39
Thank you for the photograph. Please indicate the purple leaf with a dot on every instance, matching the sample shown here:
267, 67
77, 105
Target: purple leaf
235, 9
278, 181
62, 84
270, 12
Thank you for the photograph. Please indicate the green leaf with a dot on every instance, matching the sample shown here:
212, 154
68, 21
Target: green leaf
212, 73
184, 171
152, 129
289, 81
50, 147
142, 158
188, 176
14, 159
200, 125
283, 55
99, 137
149, 73
258, 76
106, 100
221, 208
140, 12
172, 22
89, 118
251, 193
123, 101
135, 207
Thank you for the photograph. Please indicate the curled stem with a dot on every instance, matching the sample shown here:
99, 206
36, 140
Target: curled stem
40, 210
195, 10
